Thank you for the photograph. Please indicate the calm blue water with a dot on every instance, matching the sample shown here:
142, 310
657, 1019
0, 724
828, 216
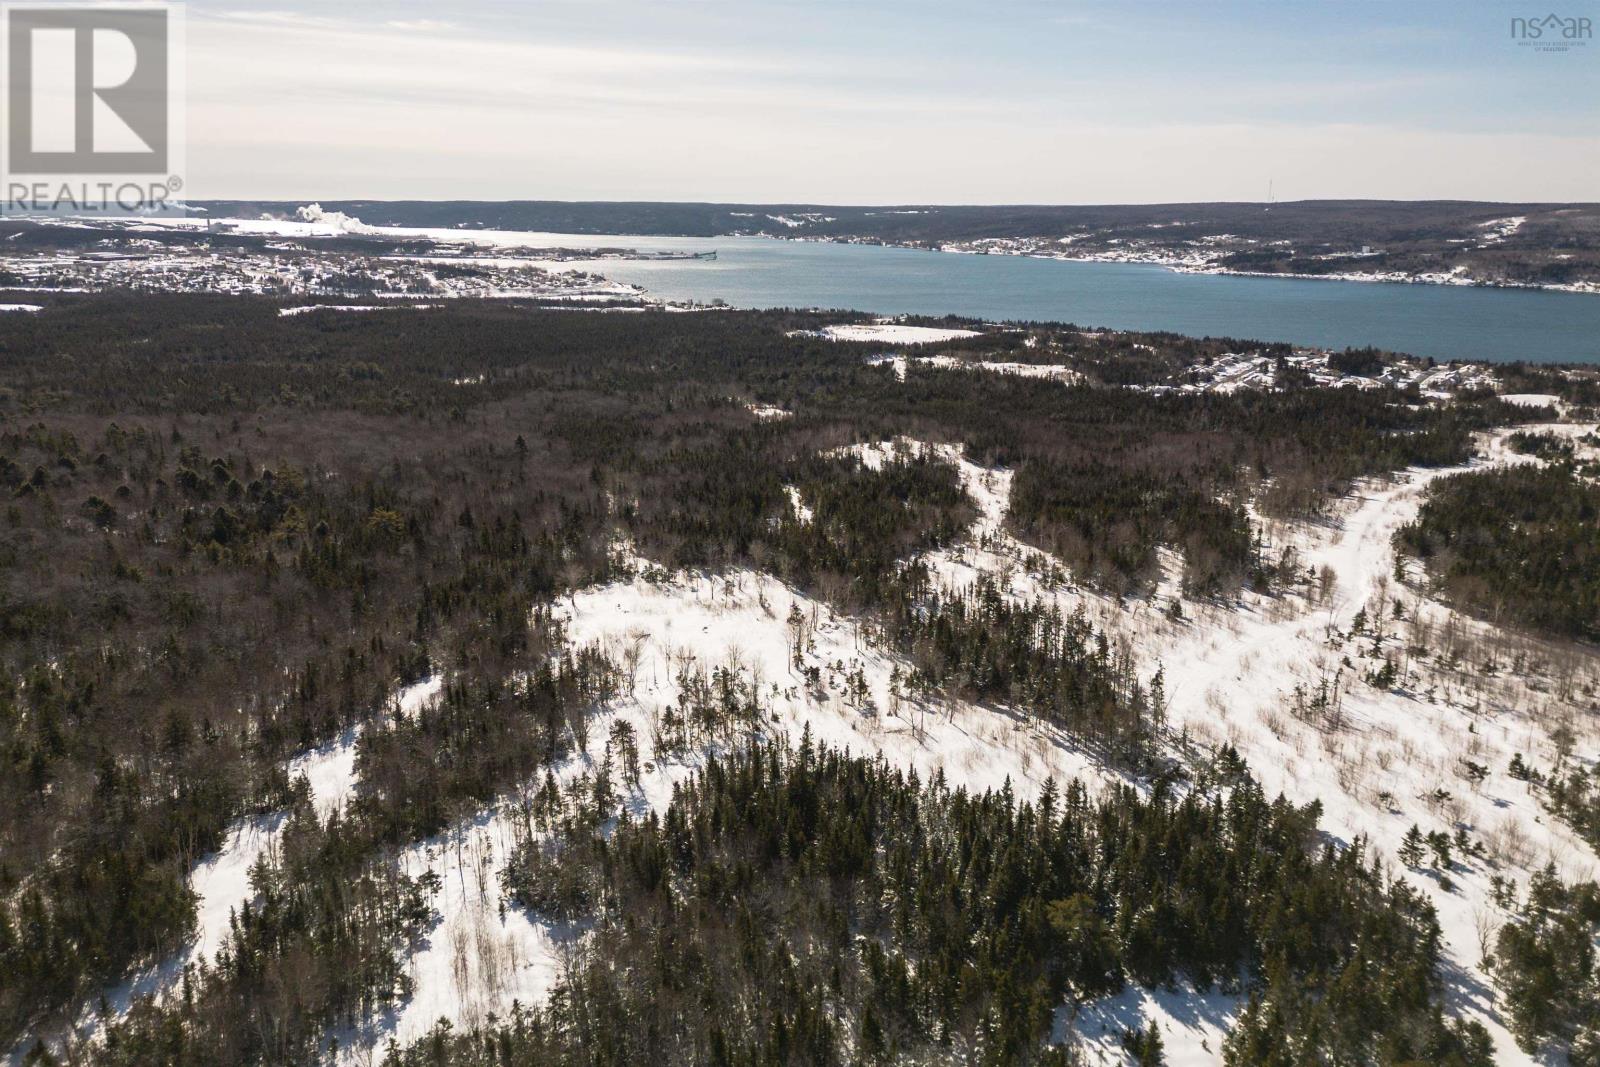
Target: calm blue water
1446, 322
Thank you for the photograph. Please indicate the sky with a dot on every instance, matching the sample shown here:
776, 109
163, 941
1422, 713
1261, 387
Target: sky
887, 101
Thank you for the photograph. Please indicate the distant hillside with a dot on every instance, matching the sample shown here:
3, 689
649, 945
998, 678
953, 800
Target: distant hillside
1368, 221
1434, 240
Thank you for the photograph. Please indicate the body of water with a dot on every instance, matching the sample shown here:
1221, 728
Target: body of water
1446, 322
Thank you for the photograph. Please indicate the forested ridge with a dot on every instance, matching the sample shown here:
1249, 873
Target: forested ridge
229, 536
1521, 542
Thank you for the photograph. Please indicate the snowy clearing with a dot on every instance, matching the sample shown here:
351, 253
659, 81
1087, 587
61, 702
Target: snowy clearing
1532, 400
1498, 230
1193, 1024
304, 309
1055, 372
1231, 677
890, 333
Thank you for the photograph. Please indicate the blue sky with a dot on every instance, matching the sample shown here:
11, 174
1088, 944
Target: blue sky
888, 101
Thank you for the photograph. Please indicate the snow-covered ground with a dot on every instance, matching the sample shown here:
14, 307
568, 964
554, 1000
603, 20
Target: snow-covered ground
1235, 371
1495, 231
1051, 371
1385, 758
889, 333
480, 957
1532, 400
312, 222
313, 273
1193, 1024
1204, 255
296, 260
306, 308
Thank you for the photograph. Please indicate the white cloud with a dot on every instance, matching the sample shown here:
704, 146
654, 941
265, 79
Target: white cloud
292, 105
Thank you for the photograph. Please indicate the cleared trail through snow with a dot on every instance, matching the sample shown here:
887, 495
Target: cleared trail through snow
1386, 758
1379, 760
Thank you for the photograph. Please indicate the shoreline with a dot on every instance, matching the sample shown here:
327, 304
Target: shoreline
1198, 265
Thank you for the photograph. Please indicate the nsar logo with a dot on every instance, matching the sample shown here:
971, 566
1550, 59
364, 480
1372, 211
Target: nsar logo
1552, 33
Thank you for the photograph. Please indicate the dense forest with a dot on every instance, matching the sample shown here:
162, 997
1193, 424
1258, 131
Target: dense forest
229, 536
1520, 543
1544, 961
805, 907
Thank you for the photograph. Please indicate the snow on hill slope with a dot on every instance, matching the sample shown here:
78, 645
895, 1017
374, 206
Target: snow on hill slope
1383, 759
221, 881
480, 957
1378, 759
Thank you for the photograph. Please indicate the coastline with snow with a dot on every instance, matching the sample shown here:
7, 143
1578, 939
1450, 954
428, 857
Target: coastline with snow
1200, 263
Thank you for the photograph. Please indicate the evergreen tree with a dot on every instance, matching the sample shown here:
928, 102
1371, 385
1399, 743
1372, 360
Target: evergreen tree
1412, 847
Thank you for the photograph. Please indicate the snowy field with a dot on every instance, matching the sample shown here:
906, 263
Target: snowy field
889, 333
307, 308
1531, 400
1050, 371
